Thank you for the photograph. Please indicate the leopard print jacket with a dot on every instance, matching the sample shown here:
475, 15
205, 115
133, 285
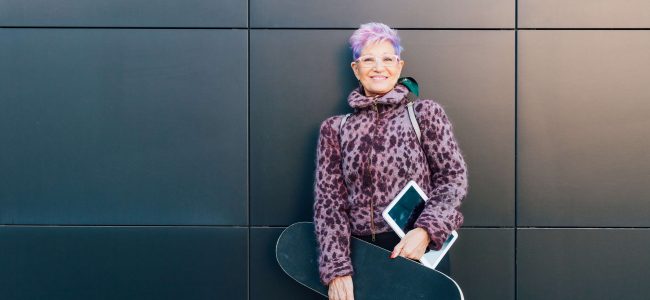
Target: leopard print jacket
361, 169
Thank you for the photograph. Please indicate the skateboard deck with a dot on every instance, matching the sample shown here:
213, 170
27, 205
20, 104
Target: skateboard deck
376, 276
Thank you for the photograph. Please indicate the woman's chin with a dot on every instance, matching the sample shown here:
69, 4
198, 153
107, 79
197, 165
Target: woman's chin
379, 90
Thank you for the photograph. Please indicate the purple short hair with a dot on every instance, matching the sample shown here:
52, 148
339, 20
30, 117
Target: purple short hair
373, 33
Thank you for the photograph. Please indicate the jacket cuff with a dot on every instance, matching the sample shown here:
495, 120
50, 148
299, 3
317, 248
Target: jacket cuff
335, 268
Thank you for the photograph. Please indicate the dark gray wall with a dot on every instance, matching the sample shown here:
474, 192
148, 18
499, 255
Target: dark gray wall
156, 151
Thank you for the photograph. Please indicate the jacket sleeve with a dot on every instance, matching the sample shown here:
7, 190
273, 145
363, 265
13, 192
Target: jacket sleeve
441, 214
331, 206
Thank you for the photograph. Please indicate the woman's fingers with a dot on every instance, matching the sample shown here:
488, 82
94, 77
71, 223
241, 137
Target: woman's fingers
413, 251
413, 245
402, 249
397, 251
333, 292
330, 293
340, 292
341, 288
407, 251
349, 289
336, 292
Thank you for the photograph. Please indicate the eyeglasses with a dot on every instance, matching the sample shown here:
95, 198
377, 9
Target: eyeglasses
370, 61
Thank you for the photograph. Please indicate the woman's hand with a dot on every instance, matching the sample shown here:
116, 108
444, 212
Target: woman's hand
341, 288
413, 244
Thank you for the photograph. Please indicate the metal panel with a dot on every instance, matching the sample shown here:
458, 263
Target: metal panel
411, 14
124, 13
123, 263
483, 264
584, 14
584, 155
102, 126
287, 109
291, 94
267, 280
583, 264
471, 73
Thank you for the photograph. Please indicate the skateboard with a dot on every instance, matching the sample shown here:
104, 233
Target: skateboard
376, 276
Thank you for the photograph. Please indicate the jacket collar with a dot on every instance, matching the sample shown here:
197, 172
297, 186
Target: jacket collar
358, 100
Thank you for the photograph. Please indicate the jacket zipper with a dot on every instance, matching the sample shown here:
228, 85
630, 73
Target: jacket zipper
374, 134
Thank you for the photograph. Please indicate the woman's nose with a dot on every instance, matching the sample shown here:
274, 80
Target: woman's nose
378, 65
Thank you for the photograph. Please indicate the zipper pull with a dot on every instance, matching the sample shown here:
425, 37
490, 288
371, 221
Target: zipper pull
374, 103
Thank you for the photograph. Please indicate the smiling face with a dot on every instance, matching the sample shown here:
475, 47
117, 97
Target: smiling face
380, 78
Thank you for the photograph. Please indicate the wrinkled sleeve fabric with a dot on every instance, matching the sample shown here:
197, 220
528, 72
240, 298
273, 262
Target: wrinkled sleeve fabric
441, 214
331, 206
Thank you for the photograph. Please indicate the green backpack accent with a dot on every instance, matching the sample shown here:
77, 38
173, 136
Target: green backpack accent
411, 84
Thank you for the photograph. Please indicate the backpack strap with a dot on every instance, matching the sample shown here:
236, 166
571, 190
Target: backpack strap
345, 118
414, 120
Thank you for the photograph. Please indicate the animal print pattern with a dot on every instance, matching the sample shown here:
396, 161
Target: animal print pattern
373, 158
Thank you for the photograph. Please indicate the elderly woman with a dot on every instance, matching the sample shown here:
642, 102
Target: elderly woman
362, 165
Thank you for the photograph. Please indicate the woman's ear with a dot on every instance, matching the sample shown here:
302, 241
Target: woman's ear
353, 65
